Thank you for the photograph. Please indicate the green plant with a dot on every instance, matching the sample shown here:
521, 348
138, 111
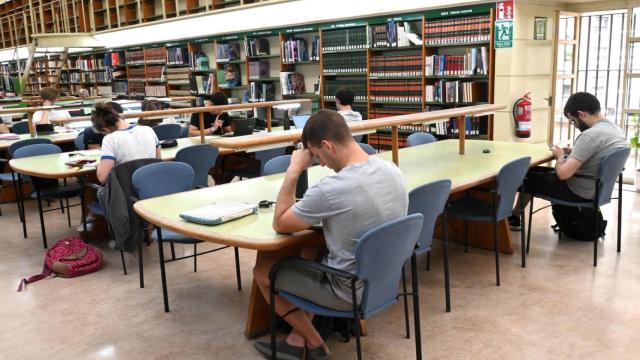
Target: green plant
634, 141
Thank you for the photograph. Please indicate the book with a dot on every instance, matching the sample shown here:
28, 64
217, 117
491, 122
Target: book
219, 213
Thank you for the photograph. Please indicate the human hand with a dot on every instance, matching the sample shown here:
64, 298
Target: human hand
557, 151
300, 160
566, 150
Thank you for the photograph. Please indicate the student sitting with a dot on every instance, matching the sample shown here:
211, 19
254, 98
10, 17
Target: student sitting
214, 122
49, 96
364, 192
598, 137
152, 105
344, 101
122, 142
3, 127
92, 138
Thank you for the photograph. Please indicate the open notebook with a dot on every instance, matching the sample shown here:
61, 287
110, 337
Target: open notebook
219, 212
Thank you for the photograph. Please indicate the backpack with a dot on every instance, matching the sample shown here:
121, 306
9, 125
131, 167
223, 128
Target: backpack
69, 257
578, 223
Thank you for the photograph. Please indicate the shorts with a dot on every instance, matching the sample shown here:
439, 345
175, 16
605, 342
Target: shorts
544, 181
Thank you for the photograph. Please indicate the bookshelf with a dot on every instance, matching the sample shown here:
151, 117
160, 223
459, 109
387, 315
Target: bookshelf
230, 63
42, 74
262, 66
300, 65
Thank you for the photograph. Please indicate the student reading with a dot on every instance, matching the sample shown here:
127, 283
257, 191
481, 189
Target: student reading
122, 142
92, 138
214, 122
49, 96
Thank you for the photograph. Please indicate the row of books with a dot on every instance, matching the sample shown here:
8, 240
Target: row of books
296, 50
258, 70
115, 59
156, 73
396, 65
453, 92
291, 83
227, 52
120, 87
199, 61
134, 57
136, 74
458, 30
177, 56
205, 84
155, 90
345, 62
394, 34
155, 55
345, 39
44, 64
261, 91
178, 76
357, 85
103, 76
103, 90
474, 62
137, 89
383, 112
85, 64
396, 90
256, 47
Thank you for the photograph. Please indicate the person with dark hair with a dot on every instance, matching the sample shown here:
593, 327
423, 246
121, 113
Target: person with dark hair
598, 137
49, 96
93, 139
363, 193
344, 103
121, 142
215, 122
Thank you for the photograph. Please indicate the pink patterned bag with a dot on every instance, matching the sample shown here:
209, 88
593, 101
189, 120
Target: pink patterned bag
69, 257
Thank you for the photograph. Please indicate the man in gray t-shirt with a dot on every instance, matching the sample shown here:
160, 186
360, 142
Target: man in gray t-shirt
365, 192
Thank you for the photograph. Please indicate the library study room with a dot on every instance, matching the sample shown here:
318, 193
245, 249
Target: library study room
319, 179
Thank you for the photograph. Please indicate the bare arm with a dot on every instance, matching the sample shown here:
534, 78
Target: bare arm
158, 153
4, 129
44, 118
284, 219
565, 168
103, 170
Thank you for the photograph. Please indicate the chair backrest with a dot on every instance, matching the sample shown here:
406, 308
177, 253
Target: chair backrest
20, 127
380, 256
184, 131
265, 155
79, 141
201, 158
610, 167
420, 138
167, 131
277, 165
36, 150
509, 179
151, 180
429, 200
367, 148
26, 142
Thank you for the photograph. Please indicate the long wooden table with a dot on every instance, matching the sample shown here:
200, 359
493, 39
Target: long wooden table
420, 165
62, 137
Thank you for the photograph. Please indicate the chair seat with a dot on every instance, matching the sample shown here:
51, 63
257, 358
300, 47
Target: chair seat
59, 192
470, 208
584, 204
6, 177
96, 208
313, 308
170, 236
423, 250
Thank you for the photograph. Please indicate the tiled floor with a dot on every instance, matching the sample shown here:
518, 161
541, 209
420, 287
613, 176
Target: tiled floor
558, 307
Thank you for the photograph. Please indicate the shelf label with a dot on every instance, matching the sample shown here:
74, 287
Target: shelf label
345, 25
504, 34
261, 33
463, 11
300, 30
230, 37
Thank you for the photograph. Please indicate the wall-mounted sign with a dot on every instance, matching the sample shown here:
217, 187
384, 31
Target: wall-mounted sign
504, 34
540, 28
504, 10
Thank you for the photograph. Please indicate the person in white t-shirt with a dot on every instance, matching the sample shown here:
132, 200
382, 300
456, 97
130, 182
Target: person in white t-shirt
344, 101
49, 96
122, 142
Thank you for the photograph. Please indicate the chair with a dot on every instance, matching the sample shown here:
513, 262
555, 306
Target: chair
184, 131
79, 141
611, 166
277, 165
380, 256
201, 158
367, 148
11, 177
263, 156
430, 200
150, 181
469, 208
20, 127
167, 131
420, 138
47, 188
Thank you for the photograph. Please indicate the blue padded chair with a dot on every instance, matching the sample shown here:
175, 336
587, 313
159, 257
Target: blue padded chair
150, 181
11, 177
20, 127
611, 167
469, 208
379, 263
367, 148
184, 131
430, 201
277, 165
201, 158
167, 131
79, 141
263, 156
420, 138
47, 188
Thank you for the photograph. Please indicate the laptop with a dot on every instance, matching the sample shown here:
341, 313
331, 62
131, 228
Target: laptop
243, 127
45, 129
300, 120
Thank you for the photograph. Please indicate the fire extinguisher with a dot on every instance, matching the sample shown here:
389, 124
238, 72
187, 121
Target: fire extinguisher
522, 116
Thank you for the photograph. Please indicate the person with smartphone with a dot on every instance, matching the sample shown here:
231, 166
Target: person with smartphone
215, 122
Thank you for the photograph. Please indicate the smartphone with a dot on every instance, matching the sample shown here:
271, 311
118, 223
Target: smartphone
551, 146
299, 146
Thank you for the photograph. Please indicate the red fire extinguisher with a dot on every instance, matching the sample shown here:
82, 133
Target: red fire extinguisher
522, 116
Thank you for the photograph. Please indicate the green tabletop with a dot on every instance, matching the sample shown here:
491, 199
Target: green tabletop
420, 165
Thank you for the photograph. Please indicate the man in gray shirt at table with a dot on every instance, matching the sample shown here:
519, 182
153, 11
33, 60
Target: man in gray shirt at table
365, 192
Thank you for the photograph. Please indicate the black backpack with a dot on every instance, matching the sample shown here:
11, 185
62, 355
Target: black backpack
578, 223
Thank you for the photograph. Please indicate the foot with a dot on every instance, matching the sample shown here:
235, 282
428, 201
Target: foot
284, 351
514, 223
319, 353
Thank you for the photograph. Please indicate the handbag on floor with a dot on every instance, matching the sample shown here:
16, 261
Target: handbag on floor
578, 223
69, 257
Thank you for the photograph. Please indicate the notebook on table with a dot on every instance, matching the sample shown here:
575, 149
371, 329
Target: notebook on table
219, 212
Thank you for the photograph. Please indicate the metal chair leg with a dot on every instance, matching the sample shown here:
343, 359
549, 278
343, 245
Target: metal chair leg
21, 207
495, 239
356, 317
173, 251
195, 257
416, 306
406, 306
445, 255
429, 261
124, 265
44, 234
466, 236
18, 195
238, 278
272, 321
141, 266
619, 212
529, 225
61, 206
163, 276
66, 200
522, 225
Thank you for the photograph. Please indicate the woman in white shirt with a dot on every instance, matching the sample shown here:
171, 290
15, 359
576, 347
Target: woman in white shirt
49, 96
122, 142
